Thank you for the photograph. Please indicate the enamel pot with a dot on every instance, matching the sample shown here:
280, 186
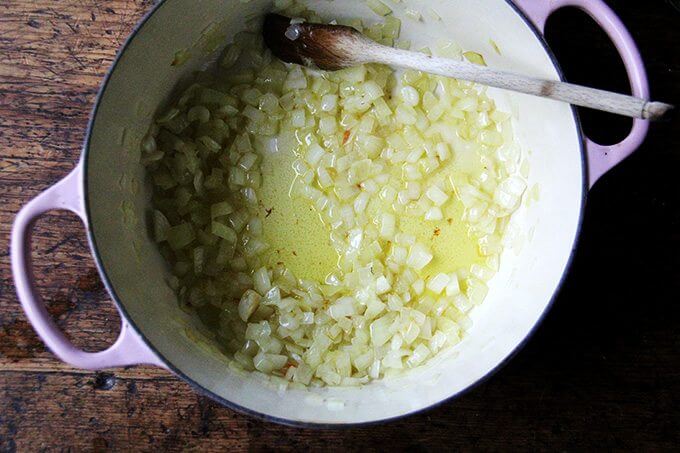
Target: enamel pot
563, 165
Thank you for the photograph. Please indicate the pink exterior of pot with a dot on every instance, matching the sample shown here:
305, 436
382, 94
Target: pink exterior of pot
129, 348
603, 158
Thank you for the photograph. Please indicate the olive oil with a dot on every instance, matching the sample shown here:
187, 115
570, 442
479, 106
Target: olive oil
299, 239
293, 229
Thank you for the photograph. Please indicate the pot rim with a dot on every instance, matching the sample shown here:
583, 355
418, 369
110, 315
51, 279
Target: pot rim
300, 424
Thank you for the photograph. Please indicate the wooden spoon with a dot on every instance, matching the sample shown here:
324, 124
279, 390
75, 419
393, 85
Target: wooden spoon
333, 47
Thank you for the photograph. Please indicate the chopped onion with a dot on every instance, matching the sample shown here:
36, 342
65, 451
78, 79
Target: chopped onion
438, 283
437, 196
413, 14
266, 363
180, 236
223, 231
434, 213
379, 7
314, 154
161, 226
419, 256
410, 95
343, 307
453, 286
329, 102
418, 356
382, 285
248, 304
261, 281
373, 154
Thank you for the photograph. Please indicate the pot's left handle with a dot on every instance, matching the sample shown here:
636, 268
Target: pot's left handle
602, 158
128, 349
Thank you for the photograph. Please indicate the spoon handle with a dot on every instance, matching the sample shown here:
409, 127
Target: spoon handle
593, 98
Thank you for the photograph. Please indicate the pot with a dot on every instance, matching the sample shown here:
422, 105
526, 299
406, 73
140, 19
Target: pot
564, 164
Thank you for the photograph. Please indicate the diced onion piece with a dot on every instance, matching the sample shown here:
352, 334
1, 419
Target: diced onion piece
437, 195
361, 202
413, 14
198, 113
382, 285
261, 280
249, 302
453, 287
476, 290
392, 27
303, 374
314, 154
418, 286
393, 359
434, 213
223, 231
379, 7
342, 307
438, 283
474, 57
161, 226
329, 102
231, 54
327, 125
379, 330
266, 363
419, 355
482, 272
180, 236
221, 209
387, 225
410, 95
419, 256
462, 303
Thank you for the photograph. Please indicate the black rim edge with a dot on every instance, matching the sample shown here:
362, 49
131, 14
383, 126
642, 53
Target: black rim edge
293, 423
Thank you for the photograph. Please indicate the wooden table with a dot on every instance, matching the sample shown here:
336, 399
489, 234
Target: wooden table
602, 372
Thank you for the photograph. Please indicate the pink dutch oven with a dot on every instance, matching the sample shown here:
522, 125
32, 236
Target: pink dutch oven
564, 164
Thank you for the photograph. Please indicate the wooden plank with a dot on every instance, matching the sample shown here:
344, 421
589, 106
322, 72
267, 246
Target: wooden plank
602, 372
49, 365
516, 411
52, 60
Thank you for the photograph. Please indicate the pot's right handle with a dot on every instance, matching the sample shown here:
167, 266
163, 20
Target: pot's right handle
128, 349
602, 158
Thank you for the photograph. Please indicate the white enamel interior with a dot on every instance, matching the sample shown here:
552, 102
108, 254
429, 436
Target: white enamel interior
530, 274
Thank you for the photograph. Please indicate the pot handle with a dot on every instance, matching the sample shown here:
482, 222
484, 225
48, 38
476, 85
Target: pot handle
128, 349
602, 158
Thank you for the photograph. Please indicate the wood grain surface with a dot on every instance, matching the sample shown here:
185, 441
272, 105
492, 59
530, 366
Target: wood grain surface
601, 373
